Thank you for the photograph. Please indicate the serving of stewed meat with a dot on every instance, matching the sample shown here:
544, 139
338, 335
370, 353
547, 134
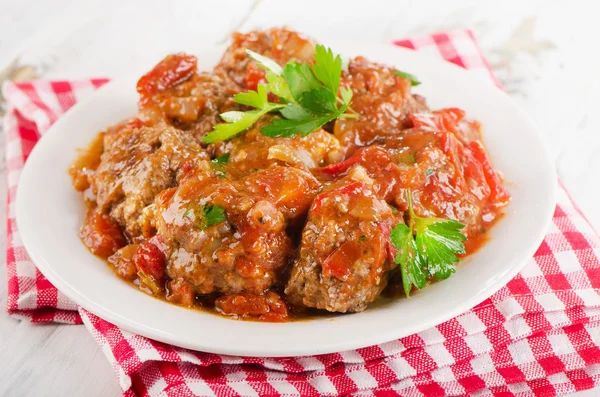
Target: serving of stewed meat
282, 184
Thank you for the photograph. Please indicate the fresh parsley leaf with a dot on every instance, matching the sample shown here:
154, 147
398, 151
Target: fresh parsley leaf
394, 209
320, 101
294, 111
413, 79
213, 214
427, 247
412, 264
346, 94
256, 99
300, 80
440, 240
275, 82
222, 159
278, 86
290, 128
218, 165
238, 121
428, 171
265, 63
328, 68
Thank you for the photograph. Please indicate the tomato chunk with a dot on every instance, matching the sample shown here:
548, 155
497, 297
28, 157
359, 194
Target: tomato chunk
254, 76
340, 261
150, 260
170, 71
101, 234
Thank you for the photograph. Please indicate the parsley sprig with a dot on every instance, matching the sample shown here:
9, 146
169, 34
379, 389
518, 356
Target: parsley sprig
308, 98
427, 247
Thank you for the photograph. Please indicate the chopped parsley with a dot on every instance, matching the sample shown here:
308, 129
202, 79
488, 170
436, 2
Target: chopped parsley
213, 214
205, 216
218, 164
427, 247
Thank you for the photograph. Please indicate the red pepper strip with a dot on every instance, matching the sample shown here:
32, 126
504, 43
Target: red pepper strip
498, 193
150, 260
342, 166
340, 261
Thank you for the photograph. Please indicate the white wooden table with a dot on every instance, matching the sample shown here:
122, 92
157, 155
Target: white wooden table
543, 52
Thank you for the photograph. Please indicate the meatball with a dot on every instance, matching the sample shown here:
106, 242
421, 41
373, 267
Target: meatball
227, 236
138, 163
279, 44
176, 93
343, 264
382, 99
252, 150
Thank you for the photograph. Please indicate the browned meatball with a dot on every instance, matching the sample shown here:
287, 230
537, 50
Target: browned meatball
279, 44
242, 250
343, 262
382, 99
138, 163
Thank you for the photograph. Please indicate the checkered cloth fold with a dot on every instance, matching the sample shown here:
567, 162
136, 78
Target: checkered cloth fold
538, 335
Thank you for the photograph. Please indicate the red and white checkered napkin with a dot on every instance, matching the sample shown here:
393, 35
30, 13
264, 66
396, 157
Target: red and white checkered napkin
539, 335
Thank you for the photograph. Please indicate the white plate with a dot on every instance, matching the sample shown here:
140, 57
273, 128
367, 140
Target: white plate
49, 228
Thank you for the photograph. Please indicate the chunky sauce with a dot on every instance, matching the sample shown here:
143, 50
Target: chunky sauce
277, 229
